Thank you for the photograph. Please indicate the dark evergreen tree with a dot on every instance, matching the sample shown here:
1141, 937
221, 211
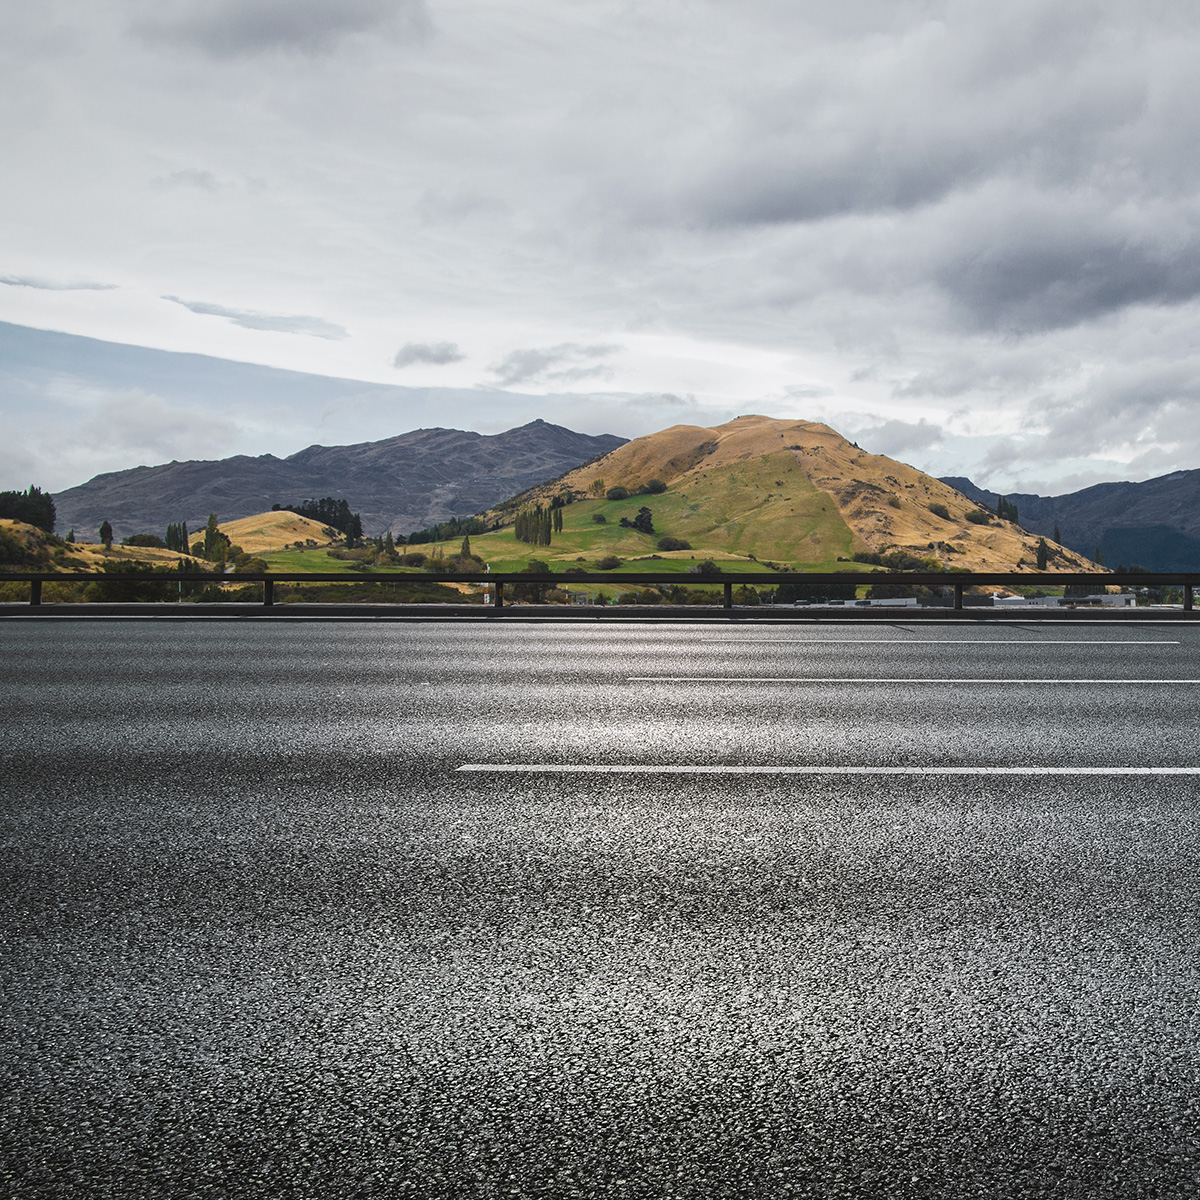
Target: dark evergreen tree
32, 506
106, 534
1006, 510
1043, 554
211, 536
329, 511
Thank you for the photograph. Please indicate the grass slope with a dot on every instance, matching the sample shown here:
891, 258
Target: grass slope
762, 509
754, 481
270, 531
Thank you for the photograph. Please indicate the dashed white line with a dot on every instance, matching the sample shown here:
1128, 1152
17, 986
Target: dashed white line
702, 769
924, 679
930, 642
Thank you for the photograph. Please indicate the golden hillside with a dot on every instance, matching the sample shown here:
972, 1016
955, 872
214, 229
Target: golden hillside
884, 504
271, 531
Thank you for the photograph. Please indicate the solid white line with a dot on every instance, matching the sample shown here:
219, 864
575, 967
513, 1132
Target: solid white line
881, 679
649, 769
511, 768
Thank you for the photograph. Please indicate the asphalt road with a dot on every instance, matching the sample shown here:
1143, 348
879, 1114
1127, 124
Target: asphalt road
420, 910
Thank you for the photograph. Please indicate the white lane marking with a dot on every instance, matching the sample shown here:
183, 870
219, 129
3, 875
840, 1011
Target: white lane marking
881, 679
929, 642
648, 769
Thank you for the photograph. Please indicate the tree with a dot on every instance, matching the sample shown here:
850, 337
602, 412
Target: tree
32, 506
106, 534
643, 522
1043, 554
329, 511
1057, 535
71, 536
211, 536
465, 552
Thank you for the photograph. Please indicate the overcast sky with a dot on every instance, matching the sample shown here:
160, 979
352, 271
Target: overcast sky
965, 234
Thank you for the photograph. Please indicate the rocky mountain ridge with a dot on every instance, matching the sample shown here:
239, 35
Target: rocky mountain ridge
1154, 524
401, 483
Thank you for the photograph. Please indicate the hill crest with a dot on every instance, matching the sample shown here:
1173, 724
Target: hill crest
884, 505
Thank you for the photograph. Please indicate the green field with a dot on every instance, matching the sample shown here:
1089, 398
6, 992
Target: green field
763, 509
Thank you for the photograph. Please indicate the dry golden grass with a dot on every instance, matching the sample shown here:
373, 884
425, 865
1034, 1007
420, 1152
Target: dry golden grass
272, 531
884, 503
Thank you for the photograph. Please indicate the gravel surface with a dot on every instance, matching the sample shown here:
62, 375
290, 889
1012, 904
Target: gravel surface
262, 938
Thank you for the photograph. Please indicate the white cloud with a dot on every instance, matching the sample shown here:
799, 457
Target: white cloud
273, 322
51, 285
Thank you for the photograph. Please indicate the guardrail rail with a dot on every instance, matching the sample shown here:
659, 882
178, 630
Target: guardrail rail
497, 581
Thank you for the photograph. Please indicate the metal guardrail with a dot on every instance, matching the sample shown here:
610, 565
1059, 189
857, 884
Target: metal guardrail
497, 581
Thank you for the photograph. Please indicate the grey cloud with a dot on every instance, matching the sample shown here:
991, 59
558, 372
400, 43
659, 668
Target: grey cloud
145, 428
50, 285
865, 127
1055, 271
1141, 407
801, 391
898, 437
276, 323
241, 28
553, 364
188, 177
436, 354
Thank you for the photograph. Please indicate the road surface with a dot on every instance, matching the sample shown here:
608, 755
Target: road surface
422, 910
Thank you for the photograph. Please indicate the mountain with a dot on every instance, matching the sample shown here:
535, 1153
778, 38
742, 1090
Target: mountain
401, 483
783, 491
1155, 524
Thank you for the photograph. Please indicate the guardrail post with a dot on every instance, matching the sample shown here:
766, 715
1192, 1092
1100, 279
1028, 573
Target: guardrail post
1187, 597
268, 592
35, 591
498, 602
727, 599
958, 589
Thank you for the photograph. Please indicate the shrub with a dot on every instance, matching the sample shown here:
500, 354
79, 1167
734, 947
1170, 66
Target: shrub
673, 543
978, 517
707, 567
894, 501
415, 559
609, 563
653, 487
21, 552
617, 493
940, 510
145, 539
600, 518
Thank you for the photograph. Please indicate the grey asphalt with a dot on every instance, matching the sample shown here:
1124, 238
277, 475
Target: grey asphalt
263, 936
